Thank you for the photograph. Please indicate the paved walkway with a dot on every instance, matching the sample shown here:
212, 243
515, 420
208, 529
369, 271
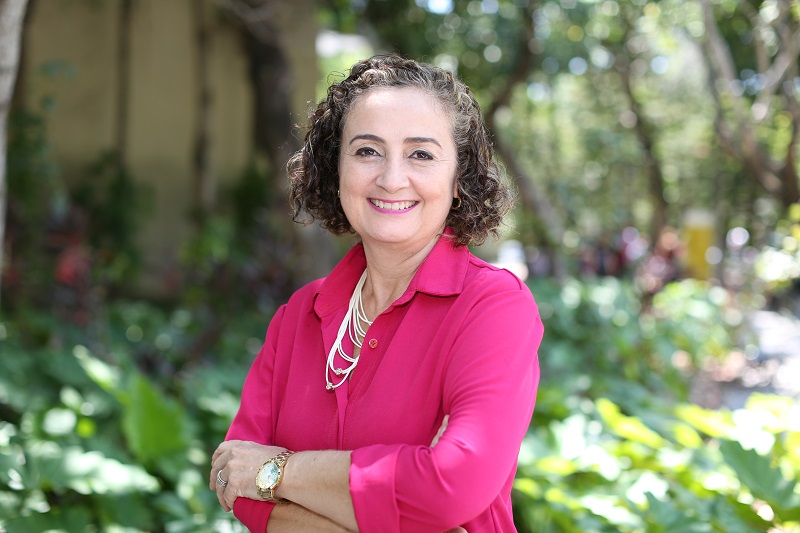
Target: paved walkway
774, 367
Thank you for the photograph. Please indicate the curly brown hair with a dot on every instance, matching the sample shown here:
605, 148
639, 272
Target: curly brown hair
314, 169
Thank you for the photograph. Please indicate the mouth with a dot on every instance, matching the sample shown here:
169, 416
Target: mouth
392, 206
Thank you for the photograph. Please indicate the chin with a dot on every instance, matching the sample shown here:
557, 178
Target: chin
387, 235
401, 238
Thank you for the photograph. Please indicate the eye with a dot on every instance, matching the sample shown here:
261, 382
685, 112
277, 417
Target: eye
421, 154
366, 151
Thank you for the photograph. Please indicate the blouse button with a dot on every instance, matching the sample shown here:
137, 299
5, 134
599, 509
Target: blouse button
373, 343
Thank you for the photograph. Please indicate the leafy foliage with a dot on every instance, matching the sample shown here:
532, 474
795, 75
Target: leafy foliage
778, 266
108, 426
113, 428
89, 441
615, 446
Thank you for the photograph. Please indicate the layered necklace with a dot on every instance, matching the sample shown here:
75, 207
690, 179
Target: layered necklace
352, 324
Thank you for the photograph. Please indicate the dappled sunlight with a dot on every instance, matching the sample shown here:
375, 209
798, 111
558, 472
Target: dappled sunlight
645, 456
146, 240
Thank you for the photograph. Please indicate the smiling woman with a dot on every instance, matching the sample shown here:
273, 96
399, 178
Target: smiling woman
431, 369
397, 169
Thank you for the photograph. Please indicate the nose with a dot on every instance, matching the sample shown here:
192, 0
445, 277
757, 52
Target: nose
393, 175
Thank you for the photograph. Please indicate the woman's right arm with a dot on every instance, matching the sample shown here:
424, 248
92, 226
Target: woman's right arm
254, 422
290, 517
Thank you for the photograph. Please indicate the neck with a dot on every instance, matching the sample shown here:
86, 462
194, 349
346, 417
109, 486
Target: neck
389, 273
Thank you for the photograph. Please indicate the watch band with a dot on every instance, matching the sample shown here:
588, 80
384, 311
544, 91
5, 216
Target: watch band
277, 462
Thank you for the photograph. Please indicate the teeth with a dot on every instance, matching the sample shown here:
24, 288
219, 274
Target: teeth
393, 206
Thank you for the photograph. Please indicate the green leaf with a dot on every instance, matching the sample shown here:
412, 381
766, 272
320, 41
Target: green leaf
712, 423
762, 479
101, 373
154, 425
666, 517
735, 517
628, 427
794, 213
85, 472
56, 520
128, 510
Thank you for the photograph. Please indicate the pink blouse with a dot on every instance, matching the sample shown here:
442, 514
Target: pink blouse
462, 340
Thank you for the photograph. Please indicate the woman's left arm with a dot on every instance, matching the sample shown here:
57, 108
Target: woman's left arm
489, 394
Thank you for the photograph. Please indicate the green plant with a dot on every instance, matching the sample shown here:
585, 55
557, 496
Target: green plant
778, 265
615, 447
111, 428
35, 197
111, 202
95, 440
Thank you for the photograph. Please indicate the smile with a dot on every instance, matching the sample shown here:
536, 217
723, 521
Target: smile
392, 206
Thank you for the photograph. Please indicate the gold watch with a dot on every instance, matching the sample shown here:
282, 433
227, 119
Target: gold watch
270, 475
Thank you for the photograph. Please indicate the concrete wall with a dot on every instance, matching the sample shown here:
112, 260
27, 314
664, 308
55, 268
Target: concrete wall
163, 100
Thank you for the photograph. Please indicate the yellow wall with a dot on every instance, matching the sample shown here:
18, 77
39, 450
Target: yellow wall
83, 34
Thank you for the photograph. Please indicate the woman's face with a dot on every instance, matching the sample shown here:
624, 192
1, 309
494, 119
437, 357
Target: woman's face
397, 167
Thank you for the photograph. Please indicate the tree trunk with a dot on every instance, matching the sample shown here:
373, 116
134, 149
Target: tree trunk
738, 119
790, 181
532, 198
204, 193
271, 76
272, 79
12, 15
652, 164
125, 22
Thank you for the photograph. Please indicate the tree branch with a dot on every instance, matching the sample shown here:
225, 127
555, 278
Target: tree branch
532, 198
789, 176
747, 149
257, 18
204, 194
12, 16
645, 137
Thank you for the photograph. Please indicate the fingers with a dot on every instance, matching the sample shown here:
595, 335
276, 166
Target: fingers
219, 476
223, 447
219, 481
221, 484
218, 462
236, 463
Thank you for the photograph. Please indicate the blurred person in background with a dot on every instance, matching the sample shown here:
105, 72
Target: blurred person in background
392, 395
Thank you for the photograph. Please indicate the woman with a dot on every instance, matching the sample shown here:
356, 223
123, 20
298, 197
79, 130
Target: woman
392, 395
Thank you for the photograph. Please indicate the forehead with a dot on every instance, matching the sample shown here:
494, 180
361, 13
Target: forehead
398, 106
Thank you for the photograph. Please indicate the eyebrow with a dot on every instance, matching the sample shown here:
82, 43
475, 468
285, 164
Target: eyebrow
407, 140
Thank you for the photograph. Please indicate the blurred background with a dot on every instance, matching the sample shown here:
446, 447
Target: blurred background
147, 240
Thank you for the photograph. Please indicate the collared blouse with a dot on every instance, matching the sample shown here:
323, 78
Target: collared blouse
461, 341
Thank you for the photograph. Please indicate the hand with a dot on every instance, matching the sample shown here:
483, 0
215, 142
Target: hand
457, 530
237, 462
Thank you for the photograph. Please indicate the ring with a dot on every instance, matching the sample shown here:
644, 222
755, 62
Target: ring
221, 481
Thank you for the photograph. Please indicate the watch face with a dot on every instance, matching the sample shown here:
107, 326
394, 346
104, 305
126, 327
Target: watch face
269, 475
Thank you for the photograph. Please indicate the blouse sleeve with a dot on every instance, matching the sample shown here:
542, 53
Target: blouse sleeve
489, 393
253, 421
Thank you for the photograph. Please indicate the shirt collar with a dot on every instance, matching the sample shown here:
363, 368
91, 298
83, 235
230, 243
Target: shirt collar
442, 273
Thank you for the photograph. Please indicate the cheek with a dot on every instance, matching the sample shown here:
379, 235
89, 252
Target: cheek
345, 177
348, 190
454, 183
